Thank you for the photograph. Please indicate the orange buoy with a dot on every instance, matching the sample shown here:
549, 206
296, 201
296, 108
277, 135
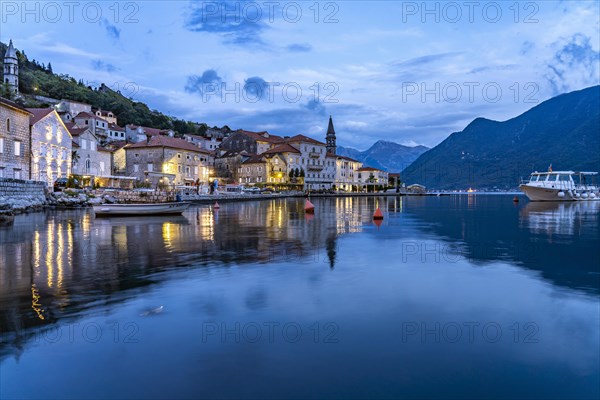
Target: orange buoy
516, 199
378, 222
309, 207
216, 206
378, 214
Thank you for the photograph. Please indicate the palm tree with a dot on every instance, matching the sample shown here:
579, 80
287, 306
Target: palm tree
74, 158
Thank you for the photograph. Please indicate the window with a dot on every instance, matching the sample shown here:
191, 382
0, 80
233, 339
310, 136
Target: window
136, 155
92, 145
150, 167
8, 125
17, 148
88, 165
1, 145
101, 167
54, 151
178, 155
136, 168
187, 170
83, 144
179, 168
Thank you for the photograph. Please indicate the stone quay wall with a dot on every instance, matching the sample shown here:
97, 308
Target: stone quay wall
18, 194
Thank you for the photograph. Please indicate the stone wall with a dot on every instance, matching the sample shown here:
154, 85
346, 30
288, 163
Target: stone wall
17, 194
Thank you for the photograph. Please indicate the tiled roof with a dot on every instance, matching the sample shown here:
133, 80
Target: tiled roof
149, 131
166, 141
302, 138
369, 169
260, 136
254, 159
347, 158
12, 104
282, 148
74, 130
87, 115
115, 127
38, 114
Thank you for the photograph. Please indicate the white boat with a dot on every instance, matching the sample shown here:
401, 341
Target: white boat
141, 209
561, 186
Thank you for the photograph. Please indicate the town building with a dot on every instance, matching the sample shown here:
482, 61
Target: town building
51, 145
253, 170
208, 143
346, 176
319, 170
115, 132
72, 108
371, 178
167, 160
227, 164
97, 125
250, 142
11, 69
88, 159
15, 142
108, 116
136, 133
280, 161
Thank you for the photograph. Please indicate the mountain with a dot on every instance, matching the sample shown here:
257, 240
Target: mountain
562, 131
389, 156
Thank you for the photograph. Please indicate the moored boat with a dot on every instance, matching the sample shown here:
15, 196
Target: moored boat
172, 208
561, 186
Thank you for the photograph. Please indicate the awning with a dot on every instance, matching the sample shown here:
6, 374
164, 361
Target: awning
160, 174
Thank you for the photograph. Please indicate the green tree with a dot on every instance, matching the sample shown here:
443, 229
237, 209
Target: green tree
74, 158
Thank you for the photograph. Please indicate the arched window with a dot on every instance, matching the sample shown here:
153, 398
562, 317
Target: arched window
7, 124
87, 165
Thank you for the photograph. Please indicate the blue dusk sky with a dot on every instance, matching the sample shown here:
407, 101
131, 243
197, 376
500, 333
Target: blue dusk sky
409, 72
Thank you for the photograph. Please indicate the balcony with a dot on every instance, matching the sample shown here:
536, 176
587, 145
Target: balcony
314, 154
315, 167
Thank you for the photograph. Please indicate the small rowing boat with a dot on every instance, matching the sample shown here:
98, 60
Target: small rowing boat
106, 210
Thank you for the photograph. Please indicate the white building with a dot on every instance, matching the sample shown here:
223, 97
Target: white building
89, 160
346, 175
51, 145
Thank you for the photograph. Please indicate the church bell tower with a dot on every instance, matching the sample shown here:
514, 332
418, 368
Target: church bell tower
330, 138
11, 69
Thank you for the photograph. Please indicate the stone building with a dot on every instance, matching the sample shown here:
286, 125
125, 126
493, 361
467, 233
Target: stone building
72, 108
319, 168
108, 116
280, 160
227, 164
115, 132
253, 170
89, 159
97, 125
51, 145
135, 133
168, 160
250, 142
15, 143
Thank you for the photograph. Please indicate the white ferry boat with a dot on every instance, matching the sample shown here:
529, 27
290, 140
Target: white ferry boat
561, 186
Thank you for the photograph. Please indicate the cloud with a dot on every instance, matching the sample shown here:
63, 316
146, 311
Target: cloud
227, 20
574, 65
299, 47
100, 65
112, 31
505, 67
209, 81
315, 106
256, 89
428, 59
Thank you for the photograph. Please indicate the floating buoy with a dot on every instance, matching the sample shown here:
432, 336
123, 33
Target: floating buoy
516, 199
309, 207
561, 194
378, 214
216, 206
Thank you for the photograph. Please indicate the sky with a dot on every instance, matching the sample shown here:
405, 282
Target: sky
411, 72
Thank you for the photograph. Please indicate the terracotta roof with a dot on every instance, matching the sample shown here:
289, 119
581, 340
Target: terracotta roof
100, 148
75, 130
369, 169
166, 141
302, 138
347, 158
12, 104
149, 131
38, 114
85, 114
115, 127
254, 159
74, 144
282, 148
260, 136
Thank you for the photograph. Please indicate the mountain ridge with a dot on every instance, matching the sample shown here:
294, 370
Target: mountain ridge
384, 154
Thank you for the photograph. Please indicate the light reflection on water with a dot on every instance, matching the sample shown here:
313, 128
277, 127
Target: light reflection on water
391, 298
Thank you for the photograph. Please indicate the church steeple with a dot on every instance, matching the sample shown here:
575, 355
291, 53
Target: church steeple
11, 69
330, 138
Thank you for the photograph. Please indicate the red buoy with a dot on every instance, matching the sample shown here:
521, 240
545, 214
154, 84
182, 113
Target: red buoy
216, 206
309, 207
516, 199
378, 214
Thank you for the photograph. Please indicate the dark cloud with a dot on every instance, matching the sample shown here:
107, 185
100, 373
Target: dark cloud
100, 65
209, 81
235, 23
256, 89
299, 47
112, 31
574, 64
316, 106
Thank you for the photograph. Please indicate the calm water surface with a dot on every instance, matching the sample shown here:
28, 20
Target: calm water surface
451, 297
